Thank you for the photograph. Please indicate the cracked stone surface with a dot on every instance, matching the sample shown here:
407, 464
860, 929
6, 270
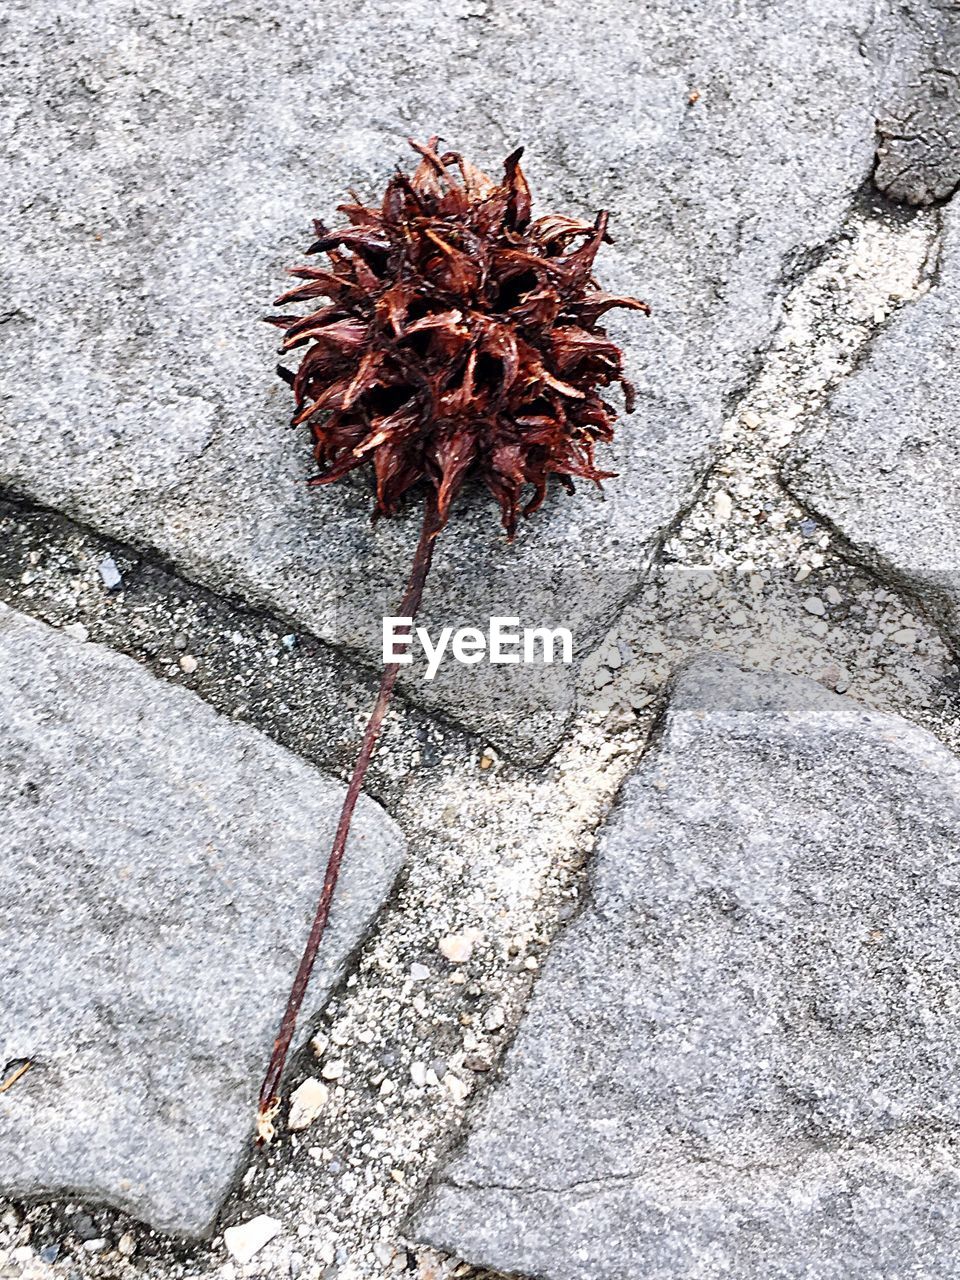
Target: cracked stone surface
882, 463
163, 168
741, 1058
159, 866
918, 125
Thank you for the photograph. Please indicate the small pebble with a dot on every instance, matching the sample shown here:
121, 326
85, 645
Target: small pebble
456, 1087
419, 972
248, 1238
95, 1246
418, 1074
289, 641
76, 630
49, 1253
722, 504
180, 641
306, 1103
814, 605
494, 1018
332, 1070
905, 636
127, 1245
833, 595
110, 574
477, 1062
456, 947
188, 664
84, 1227
384, 1253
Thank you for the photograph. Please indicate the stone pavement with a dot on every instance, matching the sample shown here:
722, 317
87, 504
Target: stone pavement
155, 197
918, 159
159, 868
741, 1058
786, 496
883, 468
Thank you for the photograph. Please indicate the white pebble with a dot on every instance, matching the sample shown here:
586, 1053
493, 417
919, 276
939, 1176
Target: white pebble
722, 504
456, 947
188, 664
306, 1103
76, 630
456, 1087
332, 1070
494, 1018
905, 636
814, 605
248, 1238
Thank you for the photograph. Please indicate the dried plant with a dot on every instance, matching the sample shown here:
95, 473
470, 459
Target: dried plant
460, 339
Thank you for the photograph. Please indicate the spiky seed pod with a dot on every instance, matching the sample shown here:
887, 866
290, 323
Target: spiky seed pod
459, 339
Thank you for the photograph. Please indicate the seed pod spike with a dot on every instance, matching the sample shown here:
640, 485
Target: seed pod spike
460, 342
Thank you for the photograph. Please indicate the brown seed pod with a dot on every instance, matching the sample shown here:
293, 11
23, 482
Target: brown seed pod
459, 339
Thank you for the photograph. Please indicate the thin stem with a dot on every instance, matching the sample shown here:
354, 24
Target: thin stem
269, 1099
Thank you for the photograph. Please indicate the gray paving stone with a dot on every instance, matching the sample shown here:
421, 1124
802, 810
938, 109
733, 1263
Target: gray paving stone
918, 157
163, 167
159, 865
882, 465
741, 1057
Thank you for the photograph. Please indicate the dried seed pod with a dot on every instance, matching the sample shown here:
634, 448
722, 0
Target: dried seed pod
459, 339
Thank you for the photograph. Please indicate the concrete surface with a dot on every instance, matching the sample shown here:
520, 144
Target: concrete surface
164, 166
159, 866
741, 1057
881, 465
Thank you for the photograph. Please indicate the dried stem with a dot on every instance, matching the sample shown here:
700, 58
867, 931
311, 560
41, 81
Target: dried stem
269, 1100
